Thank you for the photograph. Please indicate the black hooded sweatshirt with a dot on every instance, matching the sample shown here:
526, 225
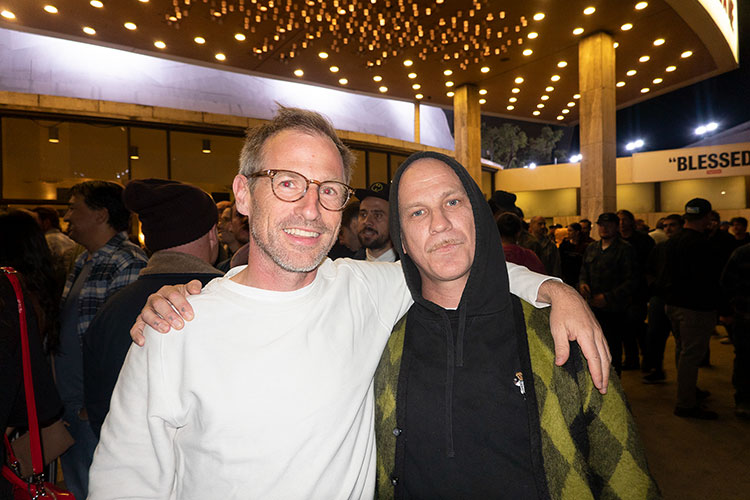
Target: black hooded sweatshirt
462, 408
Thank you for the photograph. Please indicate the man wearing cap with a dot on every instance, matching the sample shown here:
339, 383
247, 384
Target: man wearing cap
608, 281
181, 252
373, 224
690, 280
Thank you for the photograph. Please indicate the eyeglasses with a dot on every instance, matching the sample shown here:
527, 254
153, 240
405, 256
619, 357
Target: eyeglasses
291, 186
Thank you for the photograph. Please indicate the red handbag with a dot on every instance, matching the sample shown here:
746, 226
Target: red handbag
35, 487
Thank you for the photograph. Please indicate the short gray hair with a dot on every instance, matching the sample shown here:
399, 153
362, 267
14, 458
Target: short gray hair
251, 158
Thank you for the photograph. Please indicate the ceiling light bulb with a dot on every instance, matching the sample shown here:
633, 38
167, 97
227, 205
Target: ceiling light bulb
343, 81
626, 27
377, 78
96, 3
412, 75
571, 104
657, 81
545, 97
515, 90
160, 45
620, 84
334, 69
527, 52
538, 16
450, 94
240, 37
565, 111
513, 99
532, 35
89, 30
549, 89
616, 44
485, 69
418, 96
50, 9
576, 96
659, 41
482, 91
199, 40
631, 72
578, 31
643, 58
644, 90
416, 86
589, 10
220, 57
670, 69
686, 54
540, 105
482, 101
383, 89
408, 62
8, 15
323, 55
130, 26
562, 64
448, 72
449, 84
536, 112
555, 78
641, 5
560, 117
298, 72
510, 107
519, 79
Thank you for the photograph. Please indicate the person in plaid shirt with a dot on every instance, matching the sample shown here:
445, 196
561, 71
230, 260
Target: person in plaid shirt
97, 220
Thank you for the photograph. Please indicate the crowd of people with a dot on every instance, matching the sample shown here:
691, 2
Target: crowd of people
273, 386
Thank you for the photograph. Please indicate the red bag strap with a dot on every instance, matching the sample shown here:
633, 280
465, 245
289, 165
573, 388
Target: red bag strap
36, 445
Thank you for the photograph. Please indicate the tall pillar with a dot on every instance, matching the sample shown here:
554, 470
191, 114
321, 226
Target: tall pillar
596, 81
467, 130
416, 122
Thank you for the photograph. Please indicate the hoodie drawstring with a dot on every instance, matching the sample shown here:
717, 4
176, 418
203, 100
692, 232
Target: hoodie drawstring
449, 392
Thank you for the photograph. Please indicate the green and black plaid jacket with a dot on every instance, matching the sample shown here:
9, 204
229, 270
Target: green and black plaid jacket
590, 447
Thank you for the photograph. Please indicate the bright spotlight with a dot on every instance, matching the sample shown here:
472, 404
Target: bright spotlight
632, 146
708, 127
712, 126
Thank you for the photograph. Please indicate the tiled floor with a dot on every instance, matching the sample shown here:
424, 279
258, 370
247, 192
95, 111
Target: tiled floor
694, 459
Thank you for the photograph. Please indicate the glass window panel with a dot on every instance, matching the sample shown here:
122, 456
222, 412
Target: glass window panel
214, 171
359, 172
152, 153
378, 167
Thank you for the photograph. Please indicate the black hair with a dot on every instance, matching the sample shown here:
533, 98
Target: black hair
741, 220
627, 214
107, 195
349, 213
575, 226
48, 214
509, 225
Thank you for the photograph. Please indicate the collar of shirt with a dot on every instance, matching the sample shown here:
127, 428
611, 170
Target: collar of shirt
387, 256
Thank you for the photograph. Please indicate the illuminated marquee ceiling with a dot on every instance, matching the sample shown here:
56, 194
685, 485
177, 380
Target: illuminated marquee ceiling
523, 55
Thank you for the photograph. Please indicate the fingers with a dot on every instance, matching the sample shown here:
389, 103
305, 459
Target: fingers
136, 331
606, 361
194, 287
562, 346
592, 352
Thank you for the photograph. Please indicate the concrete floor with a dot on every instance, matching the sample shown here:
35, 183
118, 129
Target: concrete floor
694, 459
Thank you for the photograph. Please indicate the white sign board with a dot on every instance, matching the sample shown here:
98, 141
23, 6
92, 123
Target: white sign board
692, 163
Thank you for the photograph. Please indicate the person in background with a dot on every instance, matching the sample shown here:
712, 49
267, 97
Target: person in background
98, 220
739, 229
658, 234
549, 255
223, 248
571, 250
374, 237
348, 243
509, 226
586, 231
735, 283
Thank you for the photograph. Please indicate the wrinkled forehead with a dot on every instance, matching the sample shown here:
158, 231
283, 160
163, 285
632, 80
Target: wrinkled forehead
427, 172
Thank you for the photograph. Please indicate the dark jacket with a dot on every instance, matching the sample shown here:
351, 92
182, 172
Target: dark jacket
690, 276
107, 340
612, 272
465, 410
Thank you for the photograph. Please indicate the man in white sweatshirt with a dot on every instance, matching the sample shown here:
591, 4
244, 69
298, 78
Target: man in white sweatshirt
268, 391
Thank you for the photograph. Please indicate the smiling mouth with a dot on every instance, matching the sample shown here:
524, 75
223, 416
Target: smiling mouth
302, 233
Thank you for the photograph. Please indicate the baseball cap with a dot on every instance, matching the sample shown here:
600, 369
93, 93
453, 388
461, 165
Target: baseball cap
697, 208
608, 217
376, 189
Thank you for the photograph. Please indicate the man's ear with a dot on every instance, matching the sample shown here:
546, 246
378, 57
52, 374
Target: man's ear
403, 246
242, 196
101, 215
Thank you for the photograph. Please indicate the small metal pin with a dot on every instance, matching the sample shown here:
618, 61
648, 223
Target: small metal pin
518, 381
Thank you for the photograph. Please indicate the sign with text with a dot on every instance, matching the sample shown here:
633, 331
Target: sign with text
692, 163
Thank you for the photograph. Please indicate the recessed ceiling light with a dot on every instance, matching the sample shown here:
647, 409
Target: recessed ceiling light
515, 90
645, 90
643, 58
513, 99
220, 57
298, 72
549, 89
616, 44
416, 86
199, 40
408, 62
482, 101
620, 84
576, 96
334, 69
670, 69
343, 81
50, 9
527, 52
449, 83
571, 104
323, 55
130, 26
589, 10
377, 78
240, 37
560, 117
482, 91
412, 75
160, 45
578, 31
418, 96
510, 107
89, 30
657, 81
545, 97
626, 27
562, 64
96, 3
565, 111
540, 105
532, 35
450, 94
449, 72
383, 89
485, 69
143, 1
641, 5
172, 18
8, 15
686, 54
659, 41
631, 72
519, 80
536, 112
538, 16
555, 78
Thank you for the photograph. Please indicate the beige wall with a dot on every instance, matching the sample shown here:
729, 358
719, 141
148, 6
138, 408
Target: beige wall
636, 197
723, 193
548, 203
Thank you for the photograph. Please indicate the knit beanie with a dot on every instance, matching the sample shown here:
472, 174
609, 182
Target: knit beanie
171, 213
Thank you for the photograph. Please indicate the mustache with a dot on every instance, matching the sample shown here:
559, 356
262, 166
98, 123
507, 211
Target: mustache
442, 243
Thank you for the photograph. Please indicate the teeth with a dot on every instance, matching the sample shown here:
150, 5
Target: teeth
302, 232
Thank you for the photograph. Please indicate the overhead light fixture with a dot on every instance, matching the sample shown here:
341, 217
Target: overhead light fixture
515, 90
449, 83
549, 89
513, 99
449, 72
8, 15
657, 81
527, 52
412, 75
559, 117
510, 107
536, 112
130, 26
160, 45
377, 78
626, 27
641, 5
133, 153
482, 101
240, 37
538, 16
51, 9
519, 79
482, 91
669, 69
589, 10
562, 64
343, 81
220, 57
408, 62
565, 111
418, 96
323, 55
96, 3
659, 41
686, 54
540, 105
637, 144
631, 72
484, 69
89, 30
620, 84
532, 35
555, 78
645, 90
206, 146
709, 127
578, 31
383, 89
298, 72
616, 44
545, 97
416, 86
644, 59
199, 40
576, 96
571, 104
334, 69
450, 94
54, 135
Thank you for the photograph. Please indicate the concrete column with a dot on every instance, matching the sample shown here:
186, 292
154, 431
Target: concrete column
596, 81
416, 122
467, 130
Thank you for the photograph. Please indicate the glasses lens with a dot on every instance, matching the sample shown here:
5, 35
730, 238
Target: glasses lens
333, 195
289, 186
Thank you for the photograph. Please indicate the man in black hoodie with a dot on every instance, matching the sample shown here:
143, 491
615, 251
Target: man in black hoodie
469, 402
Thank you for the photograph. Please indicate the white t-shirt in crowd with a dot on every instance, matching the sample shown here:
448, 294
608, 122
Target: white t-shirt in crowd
263, 395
